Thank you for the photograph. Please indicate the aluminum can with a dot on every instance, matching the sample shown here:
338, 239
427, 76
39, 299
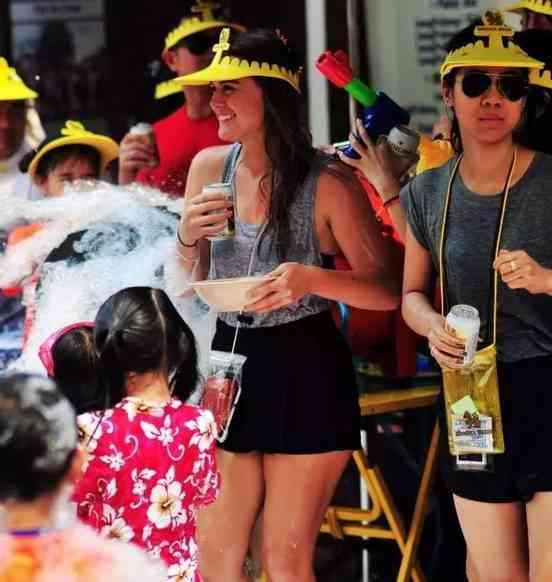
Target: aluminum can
224, 189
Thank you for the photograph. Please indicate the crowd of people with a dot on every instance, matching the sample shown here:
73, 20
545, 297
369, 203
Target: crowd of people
109, 470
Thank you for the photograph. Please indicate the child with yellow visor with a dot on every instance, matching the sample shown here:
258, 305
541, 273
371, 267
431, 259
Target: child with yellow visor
76, 155
481, 223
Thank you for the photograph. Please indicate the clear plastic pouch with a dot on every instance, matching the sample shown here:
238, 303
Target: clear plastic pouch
223, 388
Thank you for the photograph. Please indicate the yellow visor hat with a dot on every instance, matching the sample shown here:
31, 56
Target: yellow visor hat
500, 51
204, 20
540, 6
12, 87
541, 78
74, 133
167, 88
229, 68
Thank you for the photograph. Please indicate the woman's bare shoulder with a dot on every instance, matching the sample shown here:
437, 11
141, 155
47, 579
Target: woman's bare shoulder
211, 159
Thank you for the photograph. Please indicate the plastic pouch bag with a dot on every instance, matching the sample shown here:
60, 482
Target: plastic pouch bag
472, 401
223, 388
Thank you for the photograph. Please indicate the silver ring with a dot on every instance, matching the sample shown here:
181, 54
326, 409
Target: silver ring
513, 265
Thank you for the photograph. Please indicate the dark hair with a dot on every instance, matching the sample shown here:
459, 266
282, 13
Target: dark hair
37, 437
52, 159
288, 142
76, 369
139, 330
200, 42
538, 44
460, 39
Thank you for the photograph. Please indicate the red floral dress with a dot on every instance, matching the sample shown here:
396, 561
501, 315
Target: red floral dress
149, 469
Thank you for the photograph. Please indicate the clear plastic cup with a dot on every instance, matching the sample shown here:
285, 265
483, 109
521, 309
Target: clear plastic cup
223, 388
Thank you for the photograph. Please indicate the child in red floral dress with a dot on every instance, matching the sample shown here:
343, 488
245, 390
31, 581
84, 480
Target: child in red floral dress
151, 463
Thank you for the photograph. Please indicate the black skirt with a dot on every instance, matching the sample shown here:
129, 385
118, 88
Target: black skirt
299, 394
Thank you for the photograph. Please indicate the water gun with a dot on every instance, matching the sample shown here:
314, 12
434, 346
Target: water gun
380, 113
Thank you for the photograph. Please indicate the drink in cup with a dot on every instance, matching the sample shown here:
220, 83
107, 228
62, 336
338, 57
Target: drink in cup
145, 131
222, 189
463, 321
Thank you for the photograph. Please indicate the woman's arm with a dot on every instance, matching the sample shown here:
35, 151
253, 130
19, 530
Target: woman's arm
383, 170
192, 248
417, 310
374, 279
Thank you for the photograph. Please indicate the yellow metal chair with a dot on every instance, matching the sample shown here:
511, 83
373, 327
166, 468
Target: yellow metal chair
383, 520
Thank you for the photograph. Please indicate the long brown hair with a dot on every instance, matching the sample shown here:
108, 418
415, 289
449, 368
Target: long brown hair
288, 142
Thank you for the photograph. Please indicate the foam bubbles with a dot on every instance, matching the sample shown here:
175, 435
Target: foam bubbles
111, 237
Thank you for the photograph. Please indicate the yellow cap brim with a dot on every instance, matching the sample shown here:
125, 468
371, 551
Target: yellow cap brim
229, 69
16, 92
490, 58
167, 88
533, 7
200, 27
541, 78
108, 149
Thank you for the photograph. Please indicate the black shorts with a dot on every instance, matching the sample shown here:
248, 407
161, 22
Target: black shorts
299, 394
525, 468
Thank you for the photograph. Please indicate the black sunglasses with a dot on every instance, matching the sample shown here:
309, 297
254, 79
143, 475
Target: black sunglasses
476, 83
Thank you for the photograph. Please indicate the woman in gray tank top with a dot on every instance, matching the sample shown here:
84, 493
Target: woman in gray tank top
480, 219
298, 418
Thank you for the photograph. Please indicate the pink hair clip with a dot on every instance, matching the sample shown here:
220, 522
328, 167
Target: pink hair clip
47, 346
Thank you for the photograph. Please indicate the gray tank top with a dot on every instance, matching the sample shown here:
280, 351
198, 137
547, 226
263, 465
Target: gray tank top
230, 258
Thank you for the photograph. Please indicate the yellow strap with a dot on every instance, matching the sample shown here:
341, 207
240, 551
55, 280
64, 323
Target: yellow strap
498, 239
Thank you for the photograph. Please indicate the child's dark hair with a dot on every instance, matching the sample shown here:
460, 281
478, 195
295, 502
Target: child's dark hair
76, 369
38, 437
52, 159
139, 330
463, 38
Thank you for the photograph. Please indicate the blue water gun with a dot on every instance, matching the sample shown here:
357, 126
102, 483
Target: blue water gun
379, 114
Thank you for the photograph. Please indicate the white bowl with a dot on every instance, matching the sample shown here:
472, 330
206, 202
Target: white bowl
228, 294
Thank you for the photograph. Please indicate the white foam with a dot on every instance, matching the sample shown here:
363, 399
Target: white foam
73, 292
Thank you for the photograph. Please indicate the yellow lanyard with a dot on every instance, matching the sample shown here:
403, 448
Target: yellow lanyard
505, 194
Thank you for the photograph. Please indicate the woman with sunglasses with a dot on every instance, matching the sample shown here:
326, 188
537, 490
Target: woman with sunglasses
192, 127
504, 512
